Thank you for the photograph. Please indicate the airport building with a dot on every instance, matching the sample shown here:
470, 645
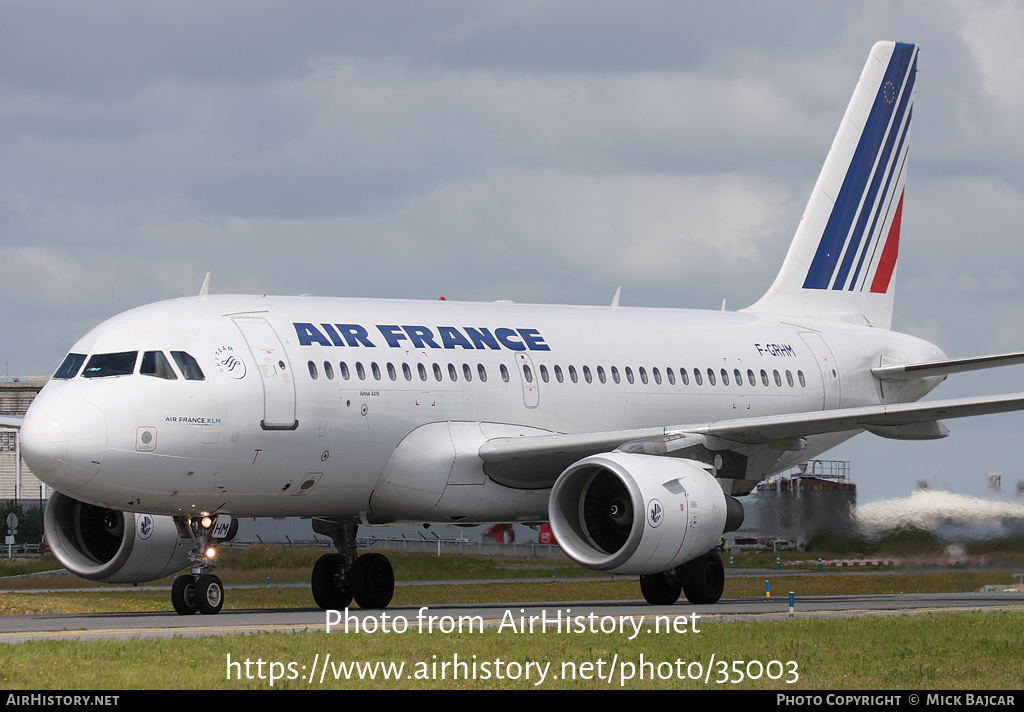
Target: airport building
15, 396
786, 510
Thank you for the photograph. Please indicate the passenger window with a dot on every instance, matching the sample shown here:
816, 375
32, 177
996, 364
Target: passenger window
697, 377
615, 374
684, 376
711, 376
452, 373
764, 377
527, 373
643, 375
482, 372
467, 372
103, 365
406, 371
657, 375
392, 373
70, 366
750, 378
344, 370
422, 370
803, 381
504, 373
789, 377
437, 373
586, 374
600, 374
376, 371
572, 374
329, 370
154, 363
188, 365
671, 376
738, 376
360, 371
725, 377
544, 373
558, 374
629, 374
778, 378
312, 370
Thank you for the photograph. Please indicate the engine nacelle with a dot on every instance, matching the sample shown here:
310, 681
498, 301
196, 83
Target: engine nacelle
639, 514
111, 546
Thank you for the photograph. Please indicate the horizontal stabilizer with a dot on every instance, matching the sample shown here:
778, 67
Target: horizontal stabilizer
904, 372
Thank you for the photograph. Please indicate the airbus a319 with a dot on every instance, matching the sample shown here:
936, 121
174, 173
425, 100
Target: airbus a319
635, 432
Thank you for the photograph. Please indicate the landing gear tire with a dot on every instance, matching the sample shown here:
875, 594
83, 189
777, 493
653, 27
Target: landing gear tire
662, 589
373, 581
209, 594
183, 595
327, 594
703, 578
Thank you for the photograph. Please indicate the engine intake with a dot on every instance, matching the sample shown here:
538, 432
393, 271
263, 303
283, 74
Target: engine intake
112, 546
639, 514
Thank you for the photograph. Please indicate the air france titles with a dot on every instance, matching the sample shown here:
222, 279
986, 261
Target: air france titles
421, 337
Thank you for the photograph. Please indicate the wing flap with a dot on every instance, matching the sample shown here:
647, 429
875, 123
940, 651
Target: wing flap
766, 429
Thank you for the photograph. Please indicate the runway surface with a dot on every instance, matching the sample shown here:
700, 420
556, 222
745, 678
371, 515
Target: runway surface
232, 622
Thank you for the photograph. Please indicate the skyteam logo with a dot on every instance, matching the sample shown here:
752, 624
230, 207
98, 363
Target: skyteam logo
655, 513
229, 363
144, 525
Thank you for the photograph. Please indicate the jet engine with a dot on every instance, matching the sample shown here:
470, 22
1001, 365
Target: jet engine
639, 514
112, 546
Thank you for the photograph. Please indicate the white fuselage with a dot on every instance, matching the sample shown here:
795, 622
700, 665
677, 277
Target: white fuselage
304, 400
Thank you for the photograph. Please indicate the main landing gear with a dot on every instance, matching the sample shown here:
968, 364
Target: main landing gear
338, 578
199, 590
702, 580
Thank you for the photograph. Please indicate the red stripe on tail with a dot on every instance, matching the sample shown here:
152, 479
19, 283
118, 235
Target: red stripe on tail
886, 265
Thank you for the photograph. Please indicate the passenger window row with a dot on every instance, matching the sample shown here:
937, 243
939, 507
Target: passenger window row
437, 371
655, 375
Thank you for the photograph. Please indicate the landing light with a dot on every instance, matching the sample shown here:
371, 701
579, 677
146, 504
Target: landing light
207, 522
211, 553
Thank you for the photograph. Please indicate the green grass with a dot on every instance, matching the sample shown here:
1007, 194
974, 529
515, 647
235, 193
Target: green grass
941, 651
970, 651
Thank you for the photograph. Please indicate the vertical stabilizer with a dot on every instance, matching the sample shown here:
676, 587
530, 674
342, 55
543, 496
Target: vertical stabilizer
842, 262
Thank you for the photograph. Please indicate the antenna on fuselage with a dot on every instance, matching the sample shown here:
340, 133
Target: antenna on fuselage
615, 299
205, 289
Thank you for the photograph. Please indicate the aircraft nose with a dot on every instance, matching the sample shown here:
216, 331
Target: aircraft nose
64, 440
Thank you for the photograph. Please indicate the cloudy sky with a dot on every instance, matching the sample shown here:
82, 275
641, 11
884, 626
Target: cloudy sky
532, 151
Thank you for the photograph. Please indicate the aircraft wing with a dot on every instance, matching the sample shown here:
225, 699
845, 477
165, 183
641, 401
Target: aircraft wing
10, 421
536, 461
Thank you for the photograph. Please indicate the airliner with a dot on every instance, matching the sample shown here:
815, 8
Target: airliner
635, 432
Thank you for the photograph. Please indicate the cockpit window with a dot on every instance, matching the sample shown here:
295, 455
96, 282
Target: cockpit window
70, 366
189, 366
154, 363
103, 365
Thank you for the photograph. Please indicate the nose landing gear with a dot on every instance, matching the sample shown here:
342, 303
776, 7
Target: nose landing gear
199, 590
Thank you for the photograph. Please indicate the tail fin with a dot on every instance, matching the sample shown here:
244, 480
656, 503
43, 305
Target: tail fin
842, 261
